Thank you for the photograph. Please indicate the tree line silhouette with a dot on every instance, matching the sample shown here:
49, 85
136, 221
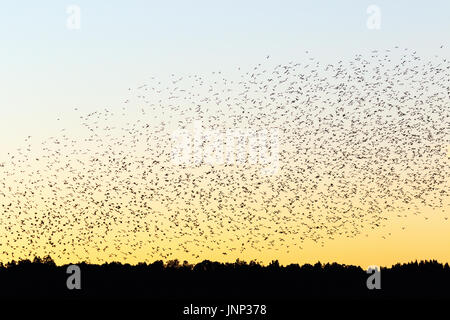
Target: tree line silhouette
42, 278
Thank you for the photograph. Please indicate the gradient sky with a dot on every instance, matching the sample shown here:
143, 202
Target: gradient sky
47, 69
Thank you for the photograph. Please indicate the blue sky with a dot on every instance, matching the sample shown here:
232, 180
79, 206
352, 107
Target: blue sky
48, 69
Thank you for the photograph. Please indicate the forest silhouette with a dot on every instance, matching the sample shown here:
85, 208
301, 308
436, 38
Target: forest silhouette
173, 280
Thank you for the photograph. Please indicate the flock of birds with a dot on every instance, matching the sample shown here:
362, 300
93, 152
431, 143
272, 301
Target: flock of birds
361, 142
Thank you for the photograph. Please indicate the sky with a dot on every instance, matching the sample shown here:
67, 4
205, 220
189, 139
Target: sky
48, 69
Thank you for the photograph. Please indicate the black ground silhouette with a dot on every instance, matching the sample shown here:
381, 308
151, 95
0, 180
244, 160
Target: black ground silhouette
175, 281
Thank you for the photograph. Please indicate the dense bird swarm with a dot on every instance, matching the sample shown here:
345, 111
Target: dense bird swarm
360, 142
